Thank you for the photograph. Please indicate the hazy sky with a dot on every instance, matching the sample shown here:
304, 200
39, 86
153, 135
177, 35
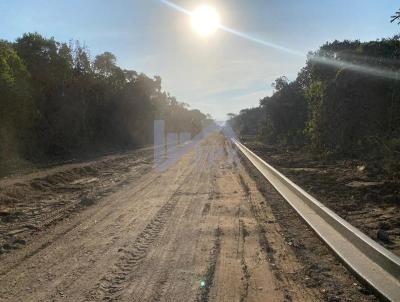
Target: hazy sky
219, 74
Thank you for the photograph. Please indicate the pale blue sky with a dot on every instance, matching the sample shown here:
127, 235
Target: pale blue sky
220, 74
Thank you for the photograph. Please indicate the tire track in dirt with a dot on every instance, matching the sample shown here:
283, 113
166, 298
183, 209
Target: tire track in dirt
264, 243
245, 270
115, 233
243, 233
160, 287
164, 277
112, 284
208, 280
239, 271
164, 281
203, 295
59, 236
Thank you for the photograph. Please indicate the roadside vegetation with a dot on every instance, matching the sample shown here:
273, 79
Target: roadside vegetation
349, 109
57, 102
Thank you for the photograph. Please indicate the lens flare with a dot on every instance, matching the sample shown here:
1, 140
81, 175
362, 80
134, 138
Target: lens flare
208, 22
360, 68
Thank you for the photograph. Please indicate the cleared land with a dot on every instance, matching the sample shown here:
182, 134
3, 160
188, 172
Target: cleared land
206, 229
358, 191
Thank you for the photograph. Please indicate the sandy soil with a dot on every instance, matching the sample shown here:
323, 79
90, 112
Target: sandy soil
30, 203
200, 231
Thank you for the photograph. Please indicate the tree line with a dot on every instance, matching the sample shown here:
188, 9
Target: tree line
56, 101
345, 101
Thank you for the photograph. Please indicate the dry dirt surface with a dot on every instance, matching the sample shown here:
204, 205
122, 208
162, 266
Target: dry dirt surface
199, 231
33, 202
357, 191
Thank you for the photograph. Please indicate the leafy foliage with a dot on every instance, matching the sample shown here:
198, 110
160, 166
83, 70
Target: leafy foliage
345, 101
16, 106
56, 101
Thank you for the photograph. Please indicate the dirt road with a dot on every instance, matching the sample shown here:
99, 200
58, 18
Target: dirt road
199, 231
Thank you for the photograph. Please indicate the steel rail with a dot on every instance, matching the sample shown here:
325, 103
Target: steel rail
370, 261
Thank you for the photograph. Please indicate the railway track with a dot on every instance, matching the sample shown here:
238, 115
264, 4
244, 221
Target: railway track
371, 262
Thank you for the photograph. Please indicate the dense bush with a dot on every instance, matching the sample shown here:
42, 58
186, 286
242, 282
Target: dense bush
345, 101
57, 102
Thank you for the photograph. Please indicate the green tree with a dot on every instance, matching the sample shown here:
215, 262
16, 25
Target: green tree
58, 102
105, 63
16, 106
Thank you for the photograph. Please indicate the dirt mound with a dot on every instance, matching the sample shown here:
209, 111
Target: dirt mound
31, 202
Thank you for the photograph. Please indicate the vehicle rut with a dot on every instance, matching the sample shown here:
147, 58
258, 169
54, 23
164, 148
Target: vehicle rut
110, 286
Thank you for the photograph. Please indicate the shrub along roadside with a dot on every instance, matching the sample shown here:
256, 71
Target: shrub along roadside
57, 102
344, 103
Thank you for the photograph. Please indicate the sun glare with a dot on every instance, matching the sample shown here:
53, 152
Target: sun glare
205, 20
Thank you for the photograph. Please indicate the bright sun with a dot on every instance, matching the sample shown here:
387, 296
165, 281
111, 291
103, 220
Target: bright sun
205, 20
